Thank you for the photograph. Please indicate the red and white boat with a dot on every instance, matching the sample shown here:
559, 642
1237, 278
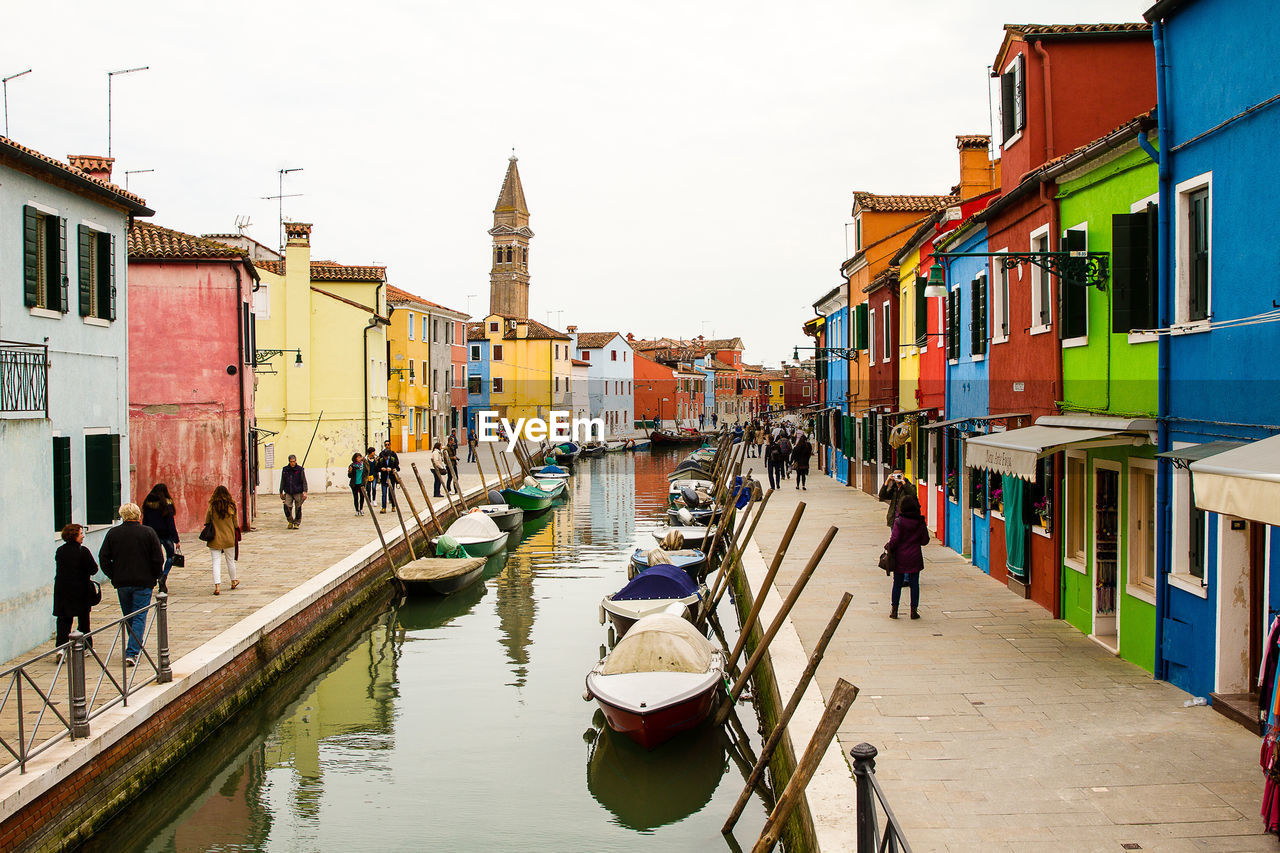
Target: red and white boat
661, 679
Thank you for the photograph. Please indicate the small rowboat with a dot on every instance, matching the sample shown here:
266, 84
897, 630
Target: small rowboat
693, 536
659, 436
676, 485
566, 452
532, 500
439, 575
689, 560
702, 516
478, 535
508, 518
657, 590
556, 488
550, 472
594, 449
661, 679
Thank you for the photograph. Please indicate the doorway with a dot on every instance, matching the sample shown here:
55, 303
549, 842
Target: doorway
1106, 551
1242, 613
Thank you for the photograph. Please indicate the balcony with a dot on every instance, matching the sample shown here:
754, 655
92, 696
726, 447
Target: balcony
24, 379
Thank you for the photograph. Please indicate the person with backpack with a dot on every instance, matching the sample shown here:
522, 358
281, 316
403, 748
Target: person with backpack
784, 462
773, 462
388, 471
355, 478
910, 534
800, 460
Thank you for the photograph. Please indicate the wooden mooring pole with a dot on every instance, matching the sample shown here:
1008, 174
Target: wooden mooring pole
427, 498
750, 621
416, 516
766, 752
733, 559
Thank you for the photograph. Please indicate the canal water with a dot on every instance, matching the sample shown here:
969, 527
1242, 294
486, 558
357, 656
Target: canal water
458, 724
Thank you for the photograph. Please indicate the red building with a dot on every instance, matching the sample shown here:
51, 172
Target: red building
1061, 87
800, 388
191, 370
655, 391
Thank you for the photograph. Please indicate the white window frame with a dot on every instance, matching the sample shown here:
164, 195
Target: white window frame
1039, 278
999, 302
1020, 64
975, 357
475, 352
1082, 340
410, 315
1180, 575
1138, 207
410, 374
1138, 590
902, 321
1182, 272
871, 335
857, 233
887, 347
1080, 564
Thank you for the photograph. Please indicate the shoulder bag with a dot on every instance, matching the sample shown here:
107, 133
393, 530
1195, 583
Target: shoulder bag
888, 562
206, 532
95, 593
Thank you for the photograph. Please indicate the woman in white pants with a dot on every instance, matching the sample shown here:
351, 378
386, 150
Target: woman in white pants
221, 531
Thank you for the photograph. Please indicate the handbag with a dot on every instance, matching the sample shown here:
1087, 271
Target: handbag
95, 593
179, 561
206, 532
888, 561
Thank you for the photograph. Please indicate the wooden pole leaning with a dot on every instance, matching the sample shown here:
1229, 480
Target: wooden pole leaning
448, 494
842, 698
750, 621
733, 559
724, 502
416, 515
430, 508
404, 528
497, 469
391, 564
510, 477
457, 480
766, 752
719, 581
484, 487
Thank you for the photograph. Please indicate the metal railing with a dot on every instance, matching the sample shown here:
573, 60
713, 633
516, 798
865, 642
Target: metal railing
30, 719
24, 377
869, 795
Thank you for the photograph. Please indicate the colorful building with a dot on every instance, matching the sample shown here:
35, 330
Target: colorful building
655, 390
773, 390
530, 367
191, 419
610, 376
409, 371
478, 383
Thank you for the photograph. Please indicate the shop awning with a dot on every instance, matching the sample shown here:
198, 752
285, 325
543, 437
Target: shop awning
1196, 452
1015, 452
975, 419
1243, 482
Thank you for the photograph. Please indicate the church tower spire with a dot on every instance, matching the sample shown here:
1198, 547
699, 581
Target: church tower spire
509, 276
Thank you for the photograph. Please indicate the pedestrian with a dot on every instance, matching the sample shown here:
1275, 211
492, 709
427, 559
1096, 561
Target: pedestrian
223, 534
784, 462
355, 478
714, 419
702, 420
910, 534
293, 491
73, 587
388, 470
158, 513
451, 448
800, 460
370, 477
438, 469
132, 558
472, 442
894, 490
751, 437
773, 463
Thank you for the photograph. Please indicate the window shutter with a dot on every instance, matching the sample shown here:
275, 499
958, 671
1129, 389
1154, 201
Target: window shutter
1019, 94
114, 449
1073, 295
1198, 229
84, 249
101, 485
52, 264
922, 313
977, 339
61, 482
64, 302
940, 456
1008, 124
1145, 311
30, 256
1128, 267
980, 314
107, 276
860, 326
956, 326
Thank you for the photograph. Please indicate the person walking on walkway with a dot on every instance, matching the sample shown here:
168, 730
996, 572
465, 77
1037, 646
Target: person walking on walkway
220, 523
132, 558
773, 463
451, 448
388, 468
370, 477
438, 469
800, 460
158, 513
74, 568
355, 478
471, 445
894, 491
293, 491
910, 534
784, 462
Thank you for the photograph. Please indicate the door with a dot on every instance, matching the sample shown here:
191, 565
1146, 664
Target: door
1257, 611
1106, 553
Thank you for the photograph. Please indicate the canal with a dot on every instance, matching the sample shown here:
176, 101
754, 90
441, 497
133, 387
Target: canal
459, 724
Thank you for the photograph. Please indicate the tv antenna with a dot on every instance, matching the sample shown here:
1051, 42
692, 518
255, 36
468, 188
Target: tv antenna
280, 197
5, 82
243, 223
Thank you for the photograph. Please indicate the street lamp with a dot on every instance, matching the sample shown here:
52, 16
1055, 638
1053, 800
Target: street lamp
937, 285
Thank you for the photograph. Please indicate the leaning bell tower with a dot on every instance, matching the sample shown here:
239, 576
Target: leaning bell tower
509, 276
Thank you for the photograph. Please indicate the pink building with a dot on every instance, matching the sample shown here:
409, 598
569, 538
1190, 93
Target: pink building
459, 417
191, 371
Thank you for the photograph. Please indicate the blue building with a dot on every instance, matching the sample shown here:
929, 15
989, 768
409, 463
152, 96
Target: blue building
833, 307
1218, 281
477, 372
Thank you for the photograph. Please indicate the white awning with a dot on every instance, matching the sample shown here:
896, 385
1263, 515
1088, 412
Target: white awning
1243, 482
1016, 451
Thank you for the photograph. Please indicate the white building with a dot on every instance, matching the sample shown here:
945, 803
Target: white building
610, 377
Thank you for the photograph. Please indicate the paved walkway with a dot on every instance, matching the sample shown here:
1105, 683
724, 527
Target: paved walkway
998, 727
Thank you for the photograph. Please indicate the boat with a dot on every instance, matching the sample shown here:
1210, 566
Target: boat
691, 561
439, 575
619, 445
507, 517
533, 500
594, 448
476, 534
661, 679
556, 488
566, 452
658, 589
693, 536
550, 472
641, 444
676, 485
683, 516
659, 436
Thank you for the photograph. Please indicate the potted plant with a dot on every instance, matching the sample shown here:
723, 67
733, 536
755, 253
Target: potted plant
978, 498
1044, 511
997, 500
953, 485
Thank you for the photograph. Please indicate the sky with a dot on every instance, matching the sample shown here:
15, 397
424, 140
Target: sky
689, 166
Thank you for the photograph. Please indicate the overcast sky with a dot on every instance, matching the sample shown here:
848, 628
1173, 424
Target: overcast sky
688, 165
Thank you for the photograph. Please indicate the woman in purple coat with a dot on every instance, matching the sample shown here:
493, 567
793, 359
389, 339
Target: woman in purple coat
910, 534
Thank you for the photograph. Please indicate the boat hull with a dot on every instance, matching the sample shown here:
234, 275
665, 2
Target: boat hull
660, 724
531, 504
483, 547
508, 518
662, 437
448, 586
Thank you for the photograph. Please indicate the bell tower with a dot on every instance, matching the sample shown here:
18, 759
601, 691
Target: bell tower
509, 276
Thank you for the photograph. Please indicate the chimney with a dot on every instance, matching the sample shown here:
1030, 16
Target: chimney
630, 337
298, 232
571, 329
977, 174
92, 165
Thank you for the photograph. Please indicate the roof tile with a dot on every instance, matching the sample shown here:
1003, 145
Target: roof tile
902, 203
152, 242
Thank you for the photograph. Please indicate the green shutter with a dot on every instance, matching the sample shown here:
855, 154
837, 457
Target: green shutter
30, 256
107, 276
64, 303
102, 477
1008, 121
1128, 267
84, 250
975, 329
860, 326
1074, 295
1198, 237
922, 313
61, 482
115, 474
980, 318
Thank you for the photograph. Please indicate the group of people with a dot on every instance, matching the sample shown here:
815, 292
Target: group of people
366, 471
784, 447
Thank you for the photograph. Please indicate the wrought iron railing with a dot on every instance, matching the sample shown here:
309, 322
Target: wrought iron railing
24, 377
871, 801
30, 718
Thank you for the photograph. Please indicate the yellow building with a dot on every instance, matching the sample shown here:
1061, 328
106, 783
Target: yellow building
774, 389
909, 356
321, 356
408, 386
530, 367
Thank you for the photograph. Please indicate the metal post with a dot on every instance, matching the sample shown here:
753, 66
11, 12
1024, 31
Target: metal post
75, 687
164, 673
864, 765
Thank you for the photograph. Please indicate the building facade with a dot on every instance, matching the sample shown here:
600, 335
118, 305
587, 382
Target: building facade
610, 376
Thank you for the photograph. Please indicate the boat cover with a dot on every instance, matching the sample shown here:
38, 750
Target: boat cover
659, 643
552, 468
447, 546
665, 581
531, 491
657, 557
496, 498
474, 525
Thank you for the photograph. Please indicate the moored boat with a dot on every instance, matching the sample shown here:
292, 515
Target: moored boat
594, 448
566, 452
439, 575
673, 492
476, 534
659, 436
533, 500
507, 517
689, 560
693, 536
659, 589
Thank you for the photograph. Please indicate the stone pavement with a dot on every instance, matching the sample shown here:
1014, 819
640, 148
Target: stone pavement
999, 727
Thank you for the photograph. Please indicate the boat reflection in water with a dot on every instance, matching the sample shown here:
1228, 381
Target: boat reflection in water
645, 789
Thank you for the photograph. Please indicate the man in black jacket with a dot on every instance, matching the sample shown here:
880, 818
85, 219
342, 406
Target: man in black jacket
131, 555
293, 491
388, 470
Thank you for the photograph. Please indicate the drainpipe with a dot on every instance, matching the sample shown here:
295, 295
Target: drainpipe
244, 427
1163, 555
1048, 197
374, 322
1046, 86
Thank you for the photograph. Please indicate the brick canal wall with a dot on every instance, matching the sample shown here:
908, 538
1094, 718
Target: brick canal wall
80, 785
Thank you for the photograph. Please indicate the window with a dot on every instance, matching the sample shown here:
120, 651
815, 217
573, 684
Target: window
1000, 306
953, 324
248, 333
860, 326
624, 355
473, 385
952, 480
1134, 270
888, 332
410, 324
1073, 295
922, 313
1013, 113
1142, 526
97, 259
1195, 231
497, 385
557, 384
978, 315
451, 382
1041, 307
613, 355
102, 477
475, 352
497, 352
857, 234
1189, 533
44, 253
435, 331
871, 336
1039, 494
586, 355
1073, 522
410, 371
61, 482
435, 380
493, 327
